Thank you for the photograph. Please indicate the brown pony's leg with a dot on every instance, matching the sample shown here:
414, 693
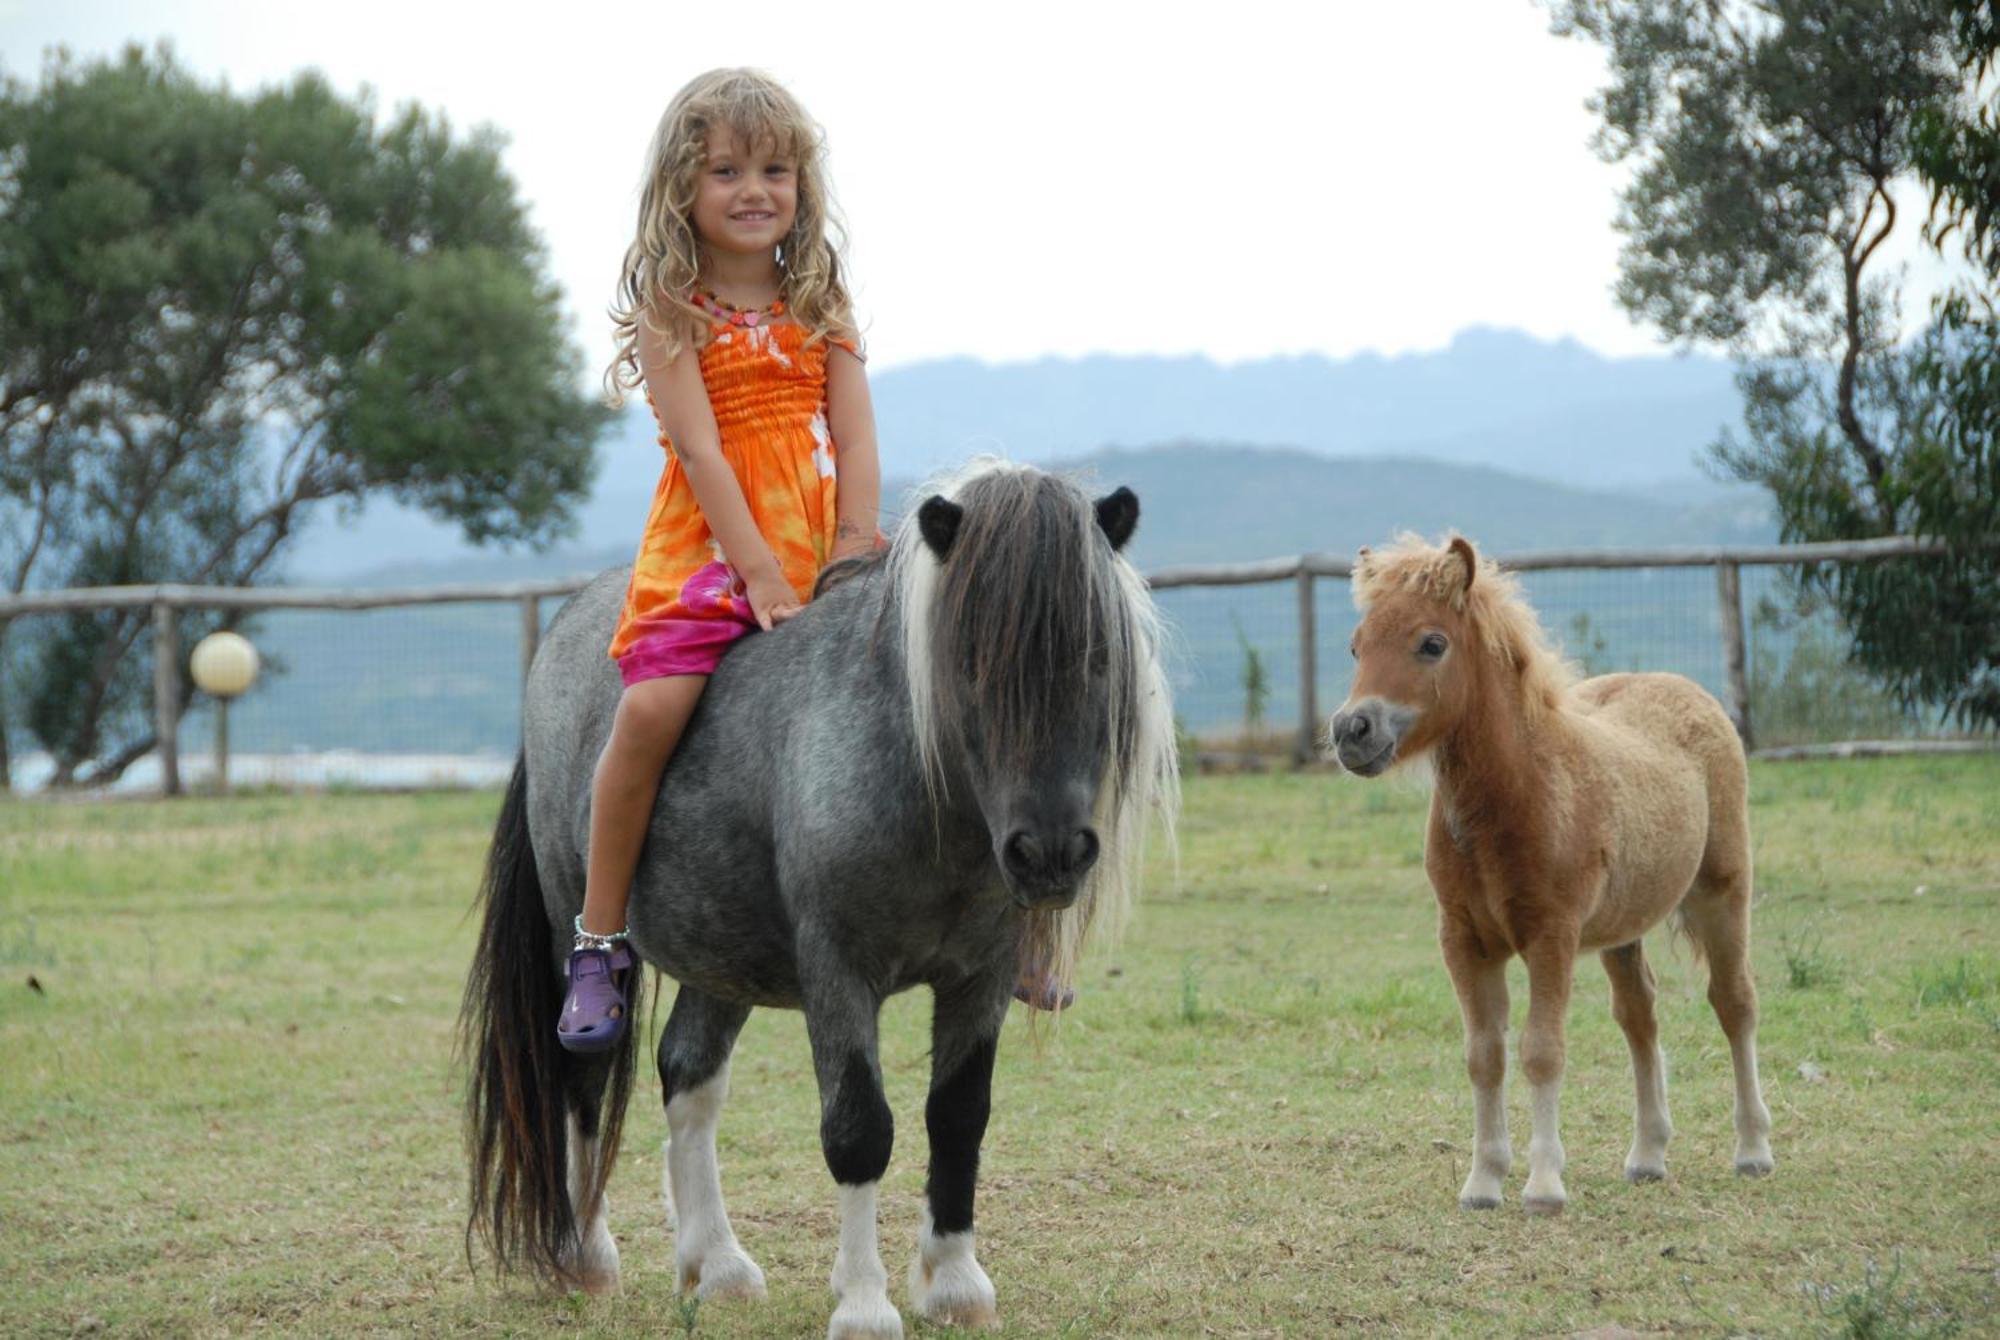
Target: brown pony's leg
1481, 983
1551, 964
1632, 1006
1717, 915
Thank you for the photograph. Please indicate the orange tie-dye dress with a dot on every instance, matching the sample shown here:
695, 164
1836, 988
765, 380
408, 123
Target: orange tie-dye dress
686, 604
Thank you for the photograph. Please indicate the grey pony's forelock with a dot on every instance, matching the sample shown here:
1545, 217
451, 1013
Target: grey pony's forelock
1031, 582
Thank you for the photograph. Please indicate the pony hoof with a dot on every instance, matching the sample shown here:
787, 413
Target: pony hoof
974, 1317
955, 1292
860, 1317
598, 1282
1755, 1167
731, 1278
1636, 1173
1478, 1202
1542, 1206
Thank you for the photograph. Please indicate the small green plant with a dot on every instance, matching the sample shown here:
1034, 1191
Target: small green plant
688, 1307
1877, 1310
1957, 983
1807, 962
1190, 992
1256, 681
1860, 1020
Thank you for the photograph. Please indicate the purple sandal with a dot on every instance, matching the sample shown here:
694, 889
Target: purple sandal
593, 1013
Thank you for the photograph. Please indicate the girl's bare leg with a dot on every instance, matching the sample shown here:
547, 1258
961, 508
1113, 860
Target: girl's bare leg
651, 716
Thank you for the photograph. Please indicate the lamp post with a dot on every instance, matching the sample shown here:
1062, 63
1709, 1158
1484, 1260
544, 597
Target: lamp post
224, 665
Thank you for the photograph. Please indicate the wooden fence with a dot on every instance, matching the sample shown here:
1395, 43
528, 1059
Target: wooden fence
1303, 571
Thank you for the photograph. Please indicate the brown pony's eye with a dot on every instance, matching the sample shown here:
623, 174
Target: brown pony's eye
1433, 647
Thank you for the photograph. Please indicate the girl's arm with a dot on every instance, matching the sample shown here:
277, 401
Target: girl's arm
681, 401
851, 418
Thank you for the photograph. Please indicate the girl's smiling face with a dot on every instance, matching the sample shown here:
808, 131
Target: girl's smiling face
748, 195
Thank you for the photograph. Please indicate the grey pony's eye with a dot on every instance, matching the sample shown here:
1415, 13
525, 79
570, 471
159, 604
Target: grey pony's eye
1433, 647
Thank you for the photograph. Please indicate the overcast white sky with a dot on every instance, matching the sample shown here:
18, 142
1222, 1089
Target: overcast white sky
1239, 179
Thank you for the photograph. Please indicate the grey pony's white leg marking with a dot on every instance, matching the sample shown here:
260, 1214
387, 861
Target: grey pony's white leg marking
860, 1282
596, 1261
707, 1257
947, 1284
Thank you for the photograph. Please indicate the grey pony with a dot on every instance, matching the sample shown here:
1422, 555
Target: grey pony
950, 754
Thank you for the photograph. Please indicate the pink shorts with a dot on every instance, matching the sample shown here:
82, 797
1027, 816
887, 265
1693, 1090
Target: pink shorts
681, 647
689, 636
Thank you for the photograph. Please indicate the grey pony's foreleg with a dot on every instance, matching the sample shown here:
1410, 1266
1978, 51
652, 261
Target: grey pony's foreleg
856, 1132
694, 1080
947, 1284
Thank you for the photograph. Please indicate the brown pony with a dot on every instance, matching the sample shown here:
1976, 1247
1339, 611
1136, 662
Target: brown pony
1567, 816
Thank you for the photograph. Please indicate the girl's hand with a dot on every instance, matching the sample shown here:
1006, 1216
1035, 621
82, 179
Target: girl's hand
772, 599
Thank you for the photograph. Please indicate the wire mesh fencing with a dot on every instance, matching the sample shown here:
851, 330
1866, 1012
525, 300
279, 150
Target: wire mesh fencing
430, 693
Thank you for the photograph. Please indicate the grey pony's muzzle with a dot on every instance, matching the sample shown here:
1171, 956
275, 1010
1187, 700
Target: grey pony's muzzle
1365, 735
1045, 870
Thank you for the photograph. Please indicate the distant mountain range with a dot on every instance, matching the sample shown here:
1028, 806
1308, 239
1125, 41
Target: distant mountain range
1521, 442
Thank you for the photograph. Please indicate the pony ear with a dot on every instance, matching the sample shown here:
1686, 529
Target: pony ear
1463, 548
1118, 516
937, 521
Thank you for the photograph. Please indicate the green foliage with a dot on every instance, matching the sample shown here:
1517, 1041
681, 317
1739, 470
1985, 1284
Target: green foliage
1767, 140
1190, 1004
220, 312
1804, 685
1254, 678
1879, 1309
1959, 982
1955, 479
1808, 964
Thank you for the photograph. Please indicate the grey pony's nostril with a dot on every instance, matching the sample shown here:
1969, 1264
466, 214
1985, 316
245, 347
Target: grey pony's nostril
1023, 851
1080, 851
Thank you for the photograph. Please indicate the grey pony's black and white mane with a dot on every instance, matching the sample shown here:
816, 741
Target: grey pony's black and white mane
954, 752
1012, 624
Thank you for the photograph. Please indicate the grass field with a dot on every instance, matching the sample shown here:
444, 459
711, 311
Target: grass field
227, 1104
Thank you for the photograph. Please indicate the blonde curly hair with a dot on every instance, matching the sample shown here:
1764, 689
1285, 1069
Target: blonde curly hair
662, 266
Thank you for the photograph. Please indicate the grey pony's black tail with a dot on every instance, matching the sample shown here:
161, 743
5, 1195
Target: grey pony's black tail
523, 1085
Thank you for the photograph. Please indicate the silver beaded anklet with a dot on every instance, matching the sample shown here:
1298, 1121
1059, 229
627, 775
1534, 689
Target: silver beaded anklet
591, 940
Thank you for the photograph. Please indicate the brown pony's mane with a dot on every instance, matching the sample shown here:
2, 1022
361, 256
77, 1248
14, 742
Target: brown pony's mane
1492, 604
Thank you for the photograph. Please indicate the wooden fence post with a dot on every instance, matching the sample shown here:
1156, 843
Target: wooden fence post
531, 634
1729, 591
6, 758
167, 695
1308, 745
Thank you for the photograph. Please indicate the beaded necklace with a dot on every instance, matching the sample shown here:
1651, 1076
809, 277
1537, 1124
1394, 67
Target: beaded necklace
732, 315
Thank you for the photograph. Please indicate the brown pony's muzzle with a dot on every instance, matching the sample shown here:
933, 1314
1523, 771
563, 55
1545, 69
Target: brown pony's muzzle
1365, 735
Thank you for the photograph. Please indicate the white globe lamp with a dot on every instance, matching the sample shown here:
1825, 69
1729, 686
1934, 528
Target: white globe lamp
224, 666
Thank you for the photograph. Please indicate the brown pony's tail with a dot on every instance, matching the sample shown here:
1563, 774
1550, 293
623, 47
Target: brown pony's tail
523, 1085
1680, 937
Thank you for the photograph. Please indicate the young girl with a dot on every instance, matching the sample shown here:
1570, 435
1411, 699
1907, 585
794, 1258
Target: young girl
734, 317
